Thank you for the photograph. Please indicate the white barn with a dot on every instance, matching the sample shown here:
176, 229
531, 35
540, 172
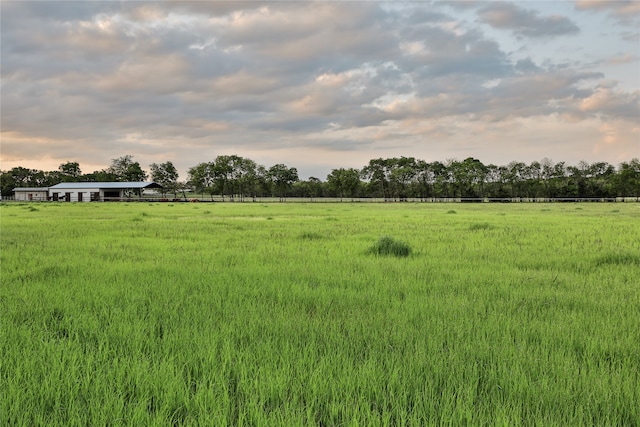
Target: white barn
97, 191
31, 194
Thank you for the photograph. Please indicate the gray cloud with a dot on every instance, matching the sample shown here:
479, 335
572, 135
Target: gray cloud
526, 22
626, 12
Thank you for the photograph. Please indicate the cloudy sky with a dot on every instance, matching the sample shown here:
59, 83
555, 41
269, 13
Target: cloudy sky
318, 85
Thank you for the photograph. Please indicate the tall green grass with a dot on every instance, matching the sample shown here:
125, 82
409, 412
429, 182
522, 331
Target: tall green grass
276, 314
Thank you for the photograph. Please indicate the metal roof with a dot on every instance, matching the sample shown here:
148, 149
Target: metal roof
30, 189
105, 185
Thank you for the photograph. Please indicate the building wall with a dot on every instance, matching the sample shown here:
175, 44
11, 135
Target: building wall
34, 196
76, 195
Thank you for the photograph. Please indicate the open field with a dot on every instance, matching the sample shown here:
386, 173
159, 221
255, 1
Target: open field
130, 314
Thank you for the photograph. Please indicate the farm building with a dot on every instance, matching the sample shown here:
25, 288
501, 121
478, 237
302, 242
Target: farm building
84, 191
97, 191
28, 194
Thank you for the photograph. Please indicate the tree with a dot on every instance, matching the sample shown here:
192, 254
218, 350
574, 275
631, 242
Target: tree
166, 175
377, 173
599, 179
227, 172
401, 171
246, 176
559, 180
24, 177
628, 178
311, 188
314, 187
534, 179
126, 170
281, 178
182, 187
547, 176
344, 182
441, 176
100, 176
578, 178
7, 183
201, 177
425, 178
515, 176
70, 171
262, 182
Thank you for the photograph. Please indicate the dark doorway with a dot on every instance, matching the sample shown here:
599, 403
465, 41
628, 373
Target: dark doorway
79, 197
111, 195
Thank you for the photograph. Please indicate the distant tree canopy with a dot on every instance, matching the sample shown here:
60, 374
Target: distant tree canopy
126, 170
396, 178
166, 175
70, 170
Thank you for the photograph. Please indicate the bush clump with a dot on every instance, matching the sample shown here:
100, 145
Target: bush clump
310, 235
480, 226
620, 258
388, 246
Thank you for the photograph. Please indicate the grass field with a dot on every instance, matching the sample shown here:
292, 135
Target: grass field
281, 314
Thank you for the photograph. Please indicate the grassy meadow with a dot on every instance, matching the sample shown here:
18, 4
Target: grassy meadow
132, 314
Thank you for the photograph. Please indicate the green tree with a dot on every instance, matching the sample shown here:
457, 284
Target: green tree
535, 179
24, 177
599, 179
281, 178
401, 171
201, 177
627, 179
310, 188
7, 183
263, 185
344, 182
377, 173
424, 179
547, 176
166, 175
246, 176
441, 177
100, 176
70, 171
126, 170
559, 182
227, 172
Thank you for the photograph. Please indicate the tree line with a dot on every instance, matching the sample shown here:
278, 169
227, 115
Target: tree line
397, 178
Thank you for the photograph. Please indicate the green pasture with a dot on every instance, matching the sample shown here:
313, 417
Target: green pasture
212, 314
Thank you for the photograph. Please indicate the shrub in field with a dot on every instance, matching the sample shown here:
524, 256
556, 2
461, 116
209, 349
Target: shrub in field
480, 226
388, 246
310, 235
618, 258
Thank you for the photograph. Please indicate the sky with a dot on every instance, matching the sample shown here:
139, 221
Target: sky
318, 85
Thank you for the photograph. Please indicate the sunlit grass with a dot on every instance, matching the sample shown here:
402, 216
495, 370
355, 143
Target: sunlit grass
277, 314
